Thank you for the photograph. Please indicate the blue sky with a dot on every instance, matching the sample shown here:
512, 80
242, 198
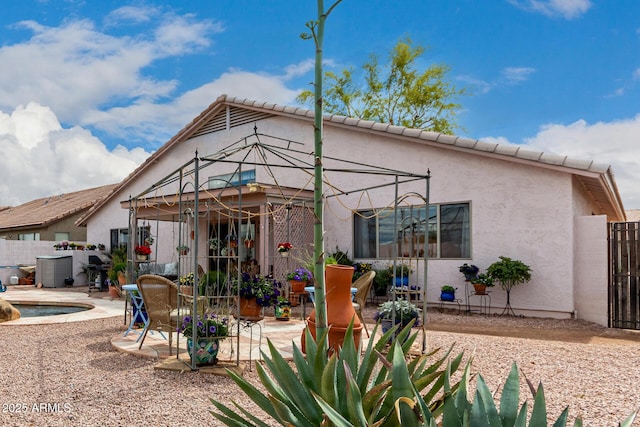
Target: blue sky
96, 86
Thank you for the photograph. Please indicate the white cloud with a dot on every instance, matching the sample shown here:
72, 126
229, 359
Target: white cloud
567, 9
515, 75
76, 69
42, 158
614, 143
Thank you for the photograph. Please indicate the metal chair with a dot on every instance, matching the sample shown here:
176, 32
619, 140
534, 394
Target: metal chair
160, 298
363, 286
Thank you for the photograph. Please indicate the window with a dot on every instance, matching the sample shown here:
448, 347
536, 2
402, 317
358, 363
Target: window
377, 232
59, 236
29, 236
231, 179
120, 236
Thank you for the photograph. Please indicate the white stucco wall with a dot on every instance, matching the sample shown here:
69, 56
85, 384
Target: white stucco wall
517, 210
591, 269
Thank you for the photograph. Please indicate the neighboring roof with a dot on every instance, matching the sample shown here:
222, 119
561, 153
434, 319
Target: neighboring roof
633, 215
48, 210
227, 112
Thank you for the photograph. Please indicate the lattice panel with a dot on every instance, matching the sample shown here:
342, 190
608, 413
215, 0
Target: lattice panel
297, 230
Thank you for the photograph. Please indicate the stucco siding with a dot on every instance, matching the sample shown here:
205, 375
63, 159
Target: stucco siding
517, 210
591, 269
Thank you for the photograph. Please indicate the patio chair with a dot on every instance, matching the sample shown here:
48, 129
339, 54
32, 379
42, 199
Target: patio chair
160, 299
363, 286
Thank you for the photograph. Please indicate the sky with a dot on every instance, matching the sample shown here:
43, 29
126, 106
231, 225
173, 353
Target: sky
90, 88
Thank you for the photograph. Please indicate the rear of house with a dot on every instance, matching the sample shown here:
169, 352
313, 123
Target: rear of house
484, 200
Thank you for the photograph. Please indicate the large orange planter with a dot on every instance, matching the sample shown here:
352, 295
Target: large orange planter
340, 311
250, 310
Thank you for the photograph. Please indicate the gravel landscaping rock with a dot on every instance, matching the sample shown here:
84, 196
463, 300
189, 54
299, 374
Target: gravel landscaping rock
69, 374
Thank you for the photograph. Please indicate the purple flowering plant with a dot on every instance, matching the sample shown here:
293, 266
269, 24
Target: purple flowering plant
300, 274
207, 325
264, 289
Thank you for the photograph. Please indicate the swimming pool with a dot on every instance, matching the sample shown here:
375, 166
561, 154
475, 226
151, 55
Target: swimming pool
48, 309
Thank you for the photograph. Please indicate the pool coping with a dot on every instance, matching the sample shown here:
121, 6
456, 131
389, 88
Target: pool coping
103, 306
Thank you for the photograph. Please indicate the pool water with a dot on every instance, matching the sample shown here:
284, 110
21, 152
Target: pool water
37, 310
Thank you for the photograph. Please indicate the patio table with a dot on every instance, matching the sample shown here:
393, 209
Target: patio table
138, 313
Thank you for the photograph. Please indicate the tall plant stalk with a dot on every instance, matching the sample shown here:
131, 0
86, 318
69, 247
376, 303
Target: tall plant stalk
317, 32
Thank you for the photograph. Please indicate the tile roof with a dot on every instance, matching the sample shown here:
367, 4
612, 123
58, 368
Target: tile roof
633, 215
41, 212
597, 179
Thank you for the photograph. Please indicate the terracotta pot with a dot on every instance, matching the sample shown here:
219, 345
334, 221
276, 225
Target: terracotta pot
186, 289
114, 292
480, 288
297, 285
250, 310
122, 278
340, 311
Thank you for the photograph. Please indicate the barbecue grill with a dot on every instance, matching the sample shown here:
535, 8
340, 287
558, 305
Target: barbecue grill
100, 264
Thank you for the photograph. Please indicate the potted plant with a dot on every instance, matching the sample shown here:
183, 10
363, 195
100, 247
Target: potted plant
215, 244
481, 282
282, 309
402, 273
298, 279
255, 291
381, 281
509, 273
182, 249
142, 252
470, 271
210, 329
396, 312
359, 268
186, 284
284, 248
447, 293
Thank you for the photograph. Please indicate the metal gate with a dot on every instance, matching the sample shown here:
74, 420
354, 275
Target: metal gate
624, 277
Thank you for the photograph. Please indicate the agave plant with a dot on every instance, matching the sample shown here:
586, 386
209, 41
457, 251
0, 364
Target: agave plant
376, 383
458, 411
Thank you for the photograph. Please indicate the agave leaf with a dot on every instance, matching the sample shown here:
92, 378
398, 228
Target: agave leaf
254, 394
328, 389
292, 389
461, 400
510, 398
562, 419
532, 389
229, 417
478, 416
275, 394
368, 361
627, 422
401, 386
427, 417
354, 400
492, 416
539, 411
430, 375
334, 416
521, 421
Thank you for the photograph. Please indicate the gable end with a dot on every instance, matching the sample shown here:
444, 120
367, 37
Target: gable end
230, 117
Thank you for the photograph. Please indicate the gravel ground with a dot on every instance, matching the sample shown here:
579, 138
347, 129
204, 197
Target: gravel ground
68, 374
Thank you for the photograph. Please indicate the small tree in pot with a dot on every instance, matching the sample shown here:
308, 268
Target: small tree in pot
509, 273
